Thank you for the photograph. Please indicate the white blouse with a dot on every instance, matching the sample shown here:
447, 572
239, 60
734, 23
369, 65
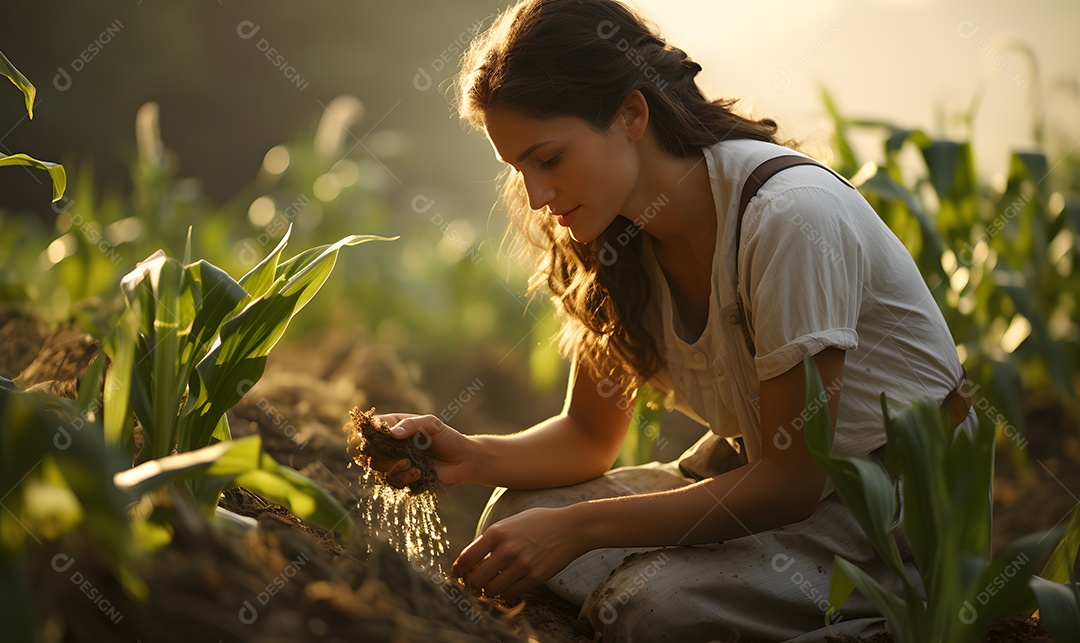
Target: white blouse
818, 268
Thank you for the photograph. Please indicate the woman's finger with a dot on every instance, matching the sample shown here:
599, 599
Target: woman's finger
483, 574
422, 427
404, 478
391, 465
393, 418
509, 574
471, 556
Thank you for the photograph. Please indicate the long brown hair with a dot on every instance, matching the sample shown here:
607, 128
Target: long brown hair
583, 58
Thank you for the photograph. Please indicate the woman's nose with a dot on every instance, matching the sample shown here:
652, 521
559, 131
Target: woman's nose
540, 193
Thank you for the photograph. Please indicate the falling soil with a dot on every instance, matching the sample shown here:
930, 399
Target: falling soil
407, 519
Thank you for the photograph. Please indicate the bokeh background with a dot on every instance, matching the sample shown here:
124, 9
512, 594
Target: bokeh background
918, 63
338, 117
218, 124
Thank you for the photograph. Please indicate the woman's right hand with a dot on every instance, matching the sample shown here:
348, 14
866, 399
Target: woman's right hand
451, 452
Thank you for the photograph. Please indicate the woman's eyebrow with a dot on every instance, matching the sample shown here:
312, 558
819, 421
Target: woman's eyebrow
532, 149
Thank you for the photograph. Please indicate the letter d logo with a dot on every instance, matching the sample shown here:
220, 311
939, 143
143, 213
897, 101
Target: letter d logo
968, 613
62, 562
248, 613
422, 80
608, 613
62, 80
246, 29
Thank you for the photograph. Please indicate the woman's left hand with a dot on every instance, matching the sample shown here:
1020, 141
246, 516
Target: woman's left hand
521, 552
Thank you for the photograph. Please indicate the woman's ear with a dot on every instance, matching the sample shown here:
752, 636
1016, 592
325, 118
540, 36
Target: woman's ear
634, 113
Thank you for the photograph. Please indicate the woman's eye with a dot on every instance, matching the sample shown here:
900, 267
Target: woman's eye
552, 162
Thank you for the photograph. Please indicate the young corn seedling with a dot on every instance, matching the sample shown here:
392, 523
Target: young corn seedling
945, 487
190, 344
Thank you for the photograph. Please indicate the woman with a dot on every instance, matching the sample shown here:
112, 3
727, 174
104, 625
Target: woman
627, 182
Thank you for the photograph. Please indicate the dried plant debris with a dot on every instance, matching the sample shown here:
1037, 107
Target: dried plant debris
369, 437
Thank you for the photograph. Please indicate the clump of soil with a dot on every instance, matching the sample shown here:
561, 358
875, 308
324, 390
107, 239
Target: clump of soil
369, 437
407, 519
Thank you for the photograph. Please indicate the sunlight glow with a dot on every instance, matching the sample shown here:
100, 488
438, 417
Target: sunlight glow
276, 160
1017, 332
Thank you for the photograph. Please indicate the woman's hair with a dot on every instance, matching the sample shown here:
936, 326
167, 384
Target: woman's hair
583, 58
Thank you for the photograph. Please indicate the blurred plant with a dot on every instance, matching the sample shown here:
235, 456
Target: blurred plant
999, 261
189, 345
75, 269
56, 470
56, 172
641, 436
946, 483
1058, 587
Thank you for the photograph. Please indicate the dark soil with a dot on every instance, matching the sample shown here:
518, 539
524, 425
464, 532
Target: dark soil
284, 581
369, 438
199, 583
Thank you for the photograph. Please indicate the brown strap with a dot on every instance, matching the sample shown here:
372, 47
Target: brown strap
757, 178
958, 402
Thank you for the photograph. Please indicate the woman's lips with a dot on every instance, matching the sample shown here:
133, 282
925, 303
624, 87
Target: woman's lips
566, 218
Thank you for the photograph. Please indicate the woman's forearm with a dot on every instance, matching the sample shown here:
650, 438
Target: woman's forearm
553, 453
753, 498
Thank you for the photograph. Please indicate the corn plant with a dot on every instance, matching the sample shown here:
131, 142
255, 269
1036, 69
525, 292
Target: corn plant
1058, 587
1000, 261
191, 342
945, 488
56, 470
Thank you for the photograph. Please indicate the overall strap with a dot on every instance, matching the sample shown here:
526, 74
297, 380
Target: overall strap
958, 401
757, 178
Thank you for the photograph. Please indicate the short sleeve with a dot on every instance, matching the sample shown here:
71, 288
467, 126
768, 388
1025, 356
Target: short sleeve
802, 269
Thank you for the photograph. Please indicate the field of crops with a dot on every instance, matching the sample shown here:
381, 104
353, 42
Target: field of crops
177, 376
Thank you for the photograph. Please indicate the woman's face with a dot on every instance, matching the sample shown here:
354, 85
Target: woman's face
581, 176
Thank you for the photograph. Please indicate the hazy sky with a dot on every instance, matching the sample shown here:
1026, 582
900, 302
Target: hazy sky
912, 62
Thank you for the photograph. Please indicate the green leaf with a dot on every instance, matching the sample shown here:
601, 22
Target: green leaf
933, 247
1049, 350
55, 170
120, 347
217, 298
166, 386
942, 160
849, 164
1003, 587
258, 280
1063, 560
164, 358
916, 452
864, 487
16, 609
969, 472
236, 364
222, 431
90, 384
840, 588
27, 88
243, 462
1059, 608
307, 271
1033, 164
907, 621
226, 374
